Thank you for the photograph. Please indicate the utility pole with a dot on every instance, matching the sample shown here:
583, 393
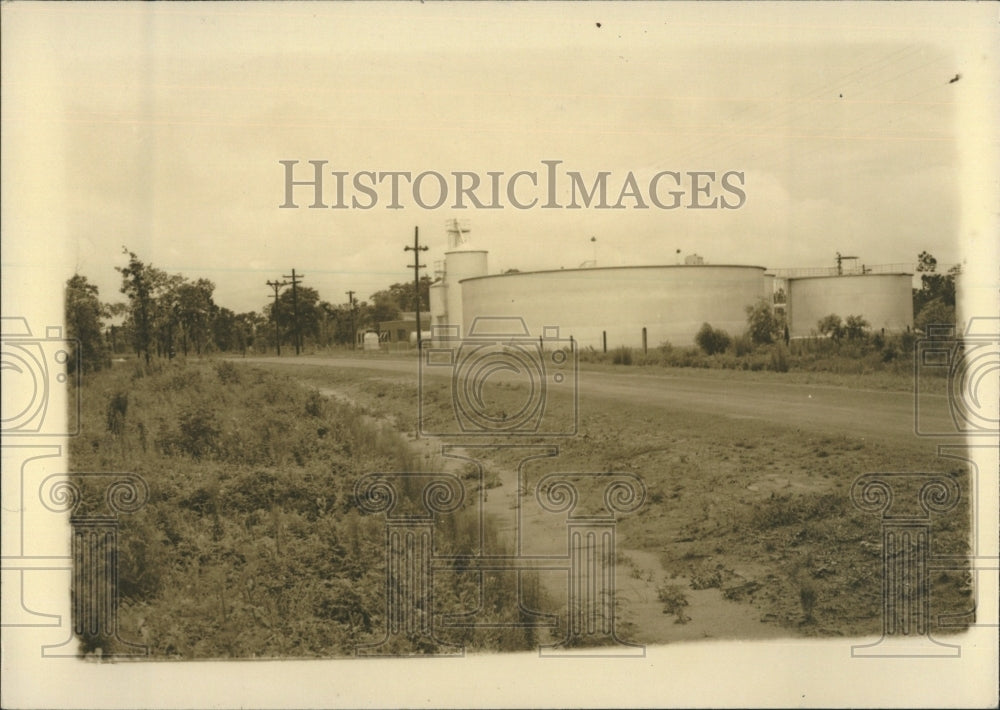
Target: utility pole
274, 313
295, 308
417, 266
354, 328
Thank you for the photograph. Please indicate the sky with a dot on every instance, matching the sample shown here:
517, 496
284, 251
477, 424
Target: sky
161, 128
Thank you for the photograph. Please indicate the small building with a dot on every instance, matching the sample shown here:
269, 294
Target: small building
401, 329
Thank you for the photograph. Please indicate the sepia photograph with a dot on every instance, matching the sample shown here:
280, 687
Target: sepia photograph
500, 354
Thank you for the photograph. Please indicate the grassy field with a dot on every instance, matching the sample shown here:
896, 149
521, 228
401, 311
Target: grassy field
252, 545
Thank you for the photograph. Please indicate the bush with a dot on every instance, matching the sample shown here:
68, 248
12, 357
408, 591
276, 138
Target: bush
712, 341
935, 312
779, 358
227, 372
315, 404
763, 326
831, 326
742, 345
855, 327
674, 601
622, 356
197, 432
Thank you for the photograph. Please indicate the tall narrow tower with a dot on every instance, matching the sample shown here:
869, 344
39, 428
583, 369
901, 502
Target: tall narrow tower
458, 231
460, 262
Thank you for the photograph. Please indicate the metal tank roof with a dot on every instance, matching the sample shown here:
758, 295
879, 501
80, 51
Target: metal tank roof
689, 267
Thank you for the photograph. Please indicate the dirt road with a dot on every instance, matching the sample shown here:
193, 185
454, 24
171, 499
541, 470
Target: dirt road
820, 408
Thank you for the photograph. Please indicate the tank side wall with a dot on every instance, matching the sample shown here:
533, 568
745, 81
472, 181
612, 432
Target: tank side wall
671, 303
460, 265
884, 300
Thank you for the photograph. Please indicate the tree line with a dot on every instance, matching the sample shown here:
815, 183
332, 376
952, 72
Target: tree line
169, 314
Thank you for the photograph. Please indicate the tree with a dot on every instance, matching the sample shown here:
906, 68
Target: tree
165, 290
926, 262
307, 308
933, 286
383, 308
253, 325
136, 286
934, 312
83, 324
855, 327
195, 311
337, 322
231, 332
763, 326
712, 341
118, 333
831, 326
402, 295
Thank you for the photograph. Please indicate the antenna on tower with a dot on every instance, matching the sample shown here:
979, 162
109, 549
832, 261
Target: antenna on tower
457, 233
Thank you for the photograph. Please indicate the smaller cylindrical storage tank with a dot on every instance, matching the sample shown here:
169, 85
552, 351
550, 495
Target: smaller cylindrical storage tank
438, 293
884, 300
460, 264
438, 305
371, 341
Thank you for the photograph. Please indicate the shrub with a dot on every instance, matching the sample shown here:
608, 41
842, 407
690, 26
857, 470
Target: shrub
712, 341
622, 356
855, 327
742, 345
227, 372
674, 601
831, 326
315, 404
779, 358
706, 579
763, 326
935, 312
198, 431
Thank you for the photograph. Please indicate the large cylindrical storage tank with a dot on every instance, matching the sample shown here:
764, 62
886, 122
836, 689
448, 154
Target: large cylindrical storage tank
629, 305
459, 265
884, 300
